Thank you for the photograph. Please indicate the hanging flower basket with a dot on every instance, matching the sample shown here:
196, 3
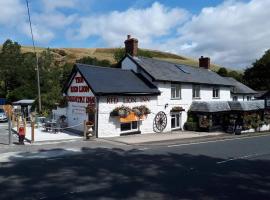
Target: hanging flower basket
177, 109
122, 111
141, 111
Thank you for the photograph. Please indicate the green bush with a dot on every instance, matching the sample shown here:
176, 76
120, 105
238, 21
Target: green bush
191, 126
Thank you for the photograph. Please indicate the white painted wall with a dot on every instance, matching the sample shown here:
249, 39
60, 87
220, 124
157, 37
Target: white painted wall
110, 126
75, 110
129, 65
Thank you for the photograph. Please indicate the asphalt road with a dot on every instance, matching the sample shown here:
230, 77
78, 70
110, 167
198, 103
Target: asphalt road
230, 169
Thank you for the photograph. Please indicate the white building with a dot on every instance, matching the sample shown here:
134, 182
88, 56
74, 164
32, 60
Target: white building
167, 89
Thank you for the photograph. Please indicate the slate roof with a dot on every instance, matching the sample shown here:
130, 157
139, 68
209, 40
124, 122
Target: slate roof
247, 105
240, 88
105, 80
167, 71
221, 106
209, 106
262, 94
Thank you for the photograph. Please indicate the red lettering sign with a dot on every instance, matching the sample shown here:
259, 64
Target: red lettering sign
79, 79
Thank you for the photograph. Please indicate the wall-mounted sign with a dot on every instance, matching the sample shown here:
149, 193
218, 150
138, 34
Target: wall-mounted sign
115, 100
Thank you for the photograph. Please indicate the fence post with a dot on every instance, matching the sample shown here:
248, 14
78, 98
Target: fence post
32, 132
84, 129
18, 123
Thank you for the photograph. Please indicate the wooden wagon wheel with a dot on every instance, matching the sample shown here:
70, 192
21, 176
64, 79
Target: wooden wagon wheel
160, 122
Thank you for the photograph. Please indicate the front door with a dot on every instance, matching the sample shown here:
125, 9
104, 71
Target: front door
176, 120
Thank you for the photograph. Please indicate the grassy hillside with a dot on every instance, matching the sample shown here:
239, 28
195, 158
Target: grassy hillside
70, 55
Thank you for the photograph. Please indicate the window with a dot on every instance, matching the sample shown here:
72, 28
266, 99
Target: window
175, 91
248, 98
130, 126
215, 92
235, 98
196, 91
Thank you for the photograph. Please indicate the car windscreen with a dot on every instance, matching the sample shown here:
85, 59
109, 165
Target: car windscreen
1, 110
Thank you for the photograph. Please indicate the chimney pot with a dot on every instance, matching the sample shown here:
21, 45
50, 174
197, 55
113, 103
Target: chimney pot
204, 62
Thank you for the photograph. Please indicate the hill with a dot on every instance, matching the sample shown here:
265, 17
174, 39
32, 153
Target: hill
70, 55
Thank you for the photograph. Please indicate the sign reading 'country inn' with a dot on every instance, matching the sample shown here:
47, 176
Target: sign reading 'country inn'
145, 95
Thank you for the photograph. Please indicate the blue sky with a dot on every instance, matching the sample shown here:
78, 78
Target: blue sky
232, 32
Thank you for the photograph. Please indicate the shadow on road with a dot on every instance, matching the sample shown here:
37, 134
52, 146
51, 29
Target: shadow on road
118, 174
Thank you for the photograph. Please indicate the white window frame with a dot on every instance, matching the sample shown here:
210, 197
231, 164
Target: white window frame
131, 129
196, 91
173, 116
216, 93
174, 89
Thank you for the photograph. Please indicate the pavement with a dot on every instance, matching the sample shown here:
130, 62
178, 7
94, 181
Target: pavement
158, 137
236, 168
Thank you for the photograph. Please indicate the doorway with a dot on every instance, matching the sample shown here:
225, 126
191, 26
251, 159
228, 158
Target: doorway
176, 119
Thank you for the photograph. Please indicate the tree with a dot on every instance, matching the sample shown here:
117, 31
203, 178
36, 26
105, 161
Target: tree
10, 60
222, 71
258, 76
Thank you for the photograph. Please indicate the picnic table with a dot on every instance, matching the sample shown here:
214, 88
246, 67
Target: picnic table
51, 126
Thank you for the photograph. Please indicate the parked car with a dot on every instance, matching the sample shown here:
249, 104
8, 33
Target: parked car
3, 116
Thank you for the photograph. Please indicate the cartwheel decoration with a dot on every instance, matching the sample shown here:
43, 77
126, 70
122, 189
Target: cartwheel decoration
160, 122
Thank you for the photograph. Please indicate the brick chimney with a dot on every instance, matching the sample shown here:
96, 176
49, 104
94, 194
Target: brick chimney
204, 62
131, 46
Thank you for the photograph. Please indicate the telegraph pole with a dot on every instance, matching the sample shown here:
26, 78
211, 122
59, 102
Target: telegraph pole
37, 67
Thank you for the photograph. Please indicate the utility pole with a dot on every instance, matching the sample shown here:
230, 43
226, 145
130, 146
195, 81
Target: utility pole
37, 67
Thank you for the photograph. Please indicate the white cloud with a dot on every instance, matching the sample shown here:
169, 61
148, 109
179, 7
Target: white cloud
232, 34
50, 5
146, 24
11, 12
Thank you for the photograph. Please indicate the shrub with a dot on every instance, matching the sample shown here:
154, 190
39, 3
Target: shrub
191, 126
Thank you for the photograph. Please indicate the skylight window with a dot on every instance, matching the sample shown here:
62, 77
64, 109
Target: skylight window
182, 69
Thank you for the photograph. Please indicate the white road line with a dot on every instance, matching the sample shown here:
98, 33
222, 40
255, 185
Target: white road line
241, 157
143, 149
213, 141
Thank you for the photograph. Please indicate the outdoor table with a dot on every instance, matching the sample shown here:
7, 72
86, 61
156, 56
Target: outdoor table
51, 126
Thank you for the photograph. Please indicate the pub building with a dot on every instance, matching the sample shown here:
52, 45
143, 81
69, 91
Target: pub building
146, 95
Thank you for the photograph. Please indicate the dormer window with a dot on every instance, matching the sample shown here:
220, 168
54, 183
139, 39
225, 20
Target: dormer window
175, 91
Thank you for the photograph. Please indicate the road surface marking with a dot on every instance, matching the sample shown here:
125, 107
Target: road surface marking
143, 149
223, 140
241, 157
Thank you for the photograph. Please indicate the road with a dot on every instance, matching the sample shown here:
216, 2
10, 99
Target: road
229, 169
